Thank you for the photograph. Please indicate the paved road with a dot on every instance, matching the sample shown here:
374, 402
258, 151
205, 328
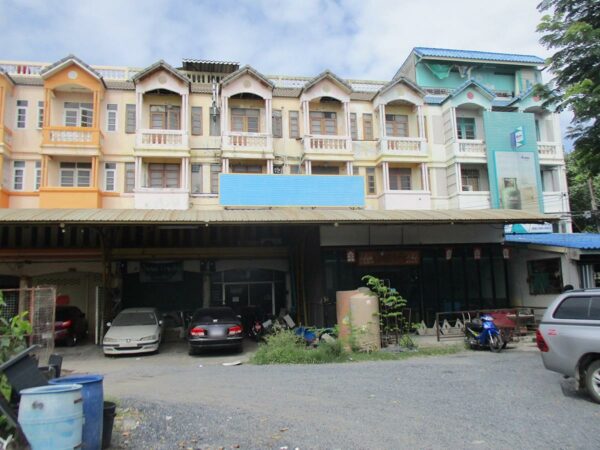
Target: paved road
467, 400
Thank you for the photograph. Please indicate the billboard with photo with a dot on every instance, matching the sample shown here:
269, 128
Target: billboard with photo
513, 165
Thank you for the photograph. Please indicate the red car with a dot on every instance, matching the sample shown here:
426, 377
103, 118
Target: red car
70, 325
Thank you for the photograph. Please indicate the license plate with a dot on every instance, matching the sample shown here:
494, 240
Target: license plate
218, 333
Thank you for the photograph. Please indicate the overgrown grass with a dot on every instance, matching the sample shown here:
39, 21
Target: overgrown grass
284, 347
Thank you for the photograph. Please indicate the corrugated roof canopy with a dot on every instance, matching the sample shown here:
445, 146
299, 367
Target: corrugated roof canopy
581, 241
477, 55
266, 216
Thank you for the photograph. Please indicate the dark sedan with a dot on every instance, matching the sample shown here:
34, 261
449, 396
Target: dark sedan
217, 328
70, 325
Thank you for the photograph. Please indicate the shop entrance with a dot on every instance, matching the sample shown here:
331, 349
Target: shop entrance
240, 289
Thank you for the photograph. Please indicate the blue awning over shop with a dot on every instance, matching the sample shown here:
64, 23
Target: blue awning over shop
580, 241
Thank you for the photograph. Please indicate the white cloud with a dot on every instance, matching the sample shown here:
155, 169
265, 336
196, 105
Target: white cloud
355, 38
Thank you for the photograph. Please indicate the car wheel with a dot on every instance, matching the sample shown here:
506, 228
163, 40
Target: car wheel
71, 340
192, 351
592, 380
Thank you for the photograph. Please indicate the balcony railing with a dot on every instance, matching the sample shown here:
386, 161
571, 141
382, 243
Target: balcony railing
236, 140
162, 138
327, 144
71, 136
7, 138
547, 149
471, 146
14, 68
401, 145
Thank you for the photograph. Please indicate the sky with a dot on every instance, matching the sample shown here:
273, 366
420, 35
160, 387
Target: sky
364, 39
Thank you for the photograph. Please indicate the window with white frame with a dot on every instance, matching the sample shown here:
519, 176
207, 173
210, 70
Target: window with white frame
75, 174
370, 180
215, 170
110, 177
465, 127
111, 117
163, 176
129, 177
400, 179
18, 175
323, 123
396, 125
78, 114
245, 120
38, 175
165, 117
22, 113
197, 179
470, 179
40, 121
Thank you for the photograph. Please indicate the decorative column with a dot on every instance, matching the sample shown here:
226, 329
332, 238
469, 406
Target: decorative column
382, 129
307, 168
225, 165
424, 177
44, 180
138, 173
269, 166
225, 115
269, 117
386, 176
94, 180
184, 175
349, 168
421, 122
306, 117
458, 179
184, 113
47, 101
138, 111
453, 116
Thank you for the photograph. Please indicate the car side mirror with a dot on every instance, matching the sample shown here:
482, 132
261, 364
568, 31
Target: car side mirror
238, 316
160, 322
82, 315
108, 324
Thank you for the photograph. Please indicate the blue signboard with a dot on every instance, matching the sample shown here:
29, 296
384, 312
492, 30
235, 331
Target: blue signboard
292, 190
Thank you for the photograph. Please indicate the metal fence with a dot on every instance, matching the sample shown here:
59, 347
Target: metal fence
525, 319
40, 303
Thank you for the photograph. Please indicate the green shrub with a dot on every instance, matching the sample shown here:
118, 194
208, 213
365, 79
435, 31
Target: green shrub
285, 347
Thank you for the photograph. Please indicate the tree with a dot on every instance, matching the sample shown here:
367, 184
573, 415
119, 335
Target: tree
572, 29
578, 178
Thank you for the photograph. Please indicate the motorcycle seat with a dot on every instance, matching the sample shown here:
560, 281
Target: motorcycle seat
475, 325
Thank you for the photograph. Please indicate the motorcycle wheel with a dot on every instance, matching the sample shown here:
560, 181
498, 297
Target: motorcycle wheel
495, 342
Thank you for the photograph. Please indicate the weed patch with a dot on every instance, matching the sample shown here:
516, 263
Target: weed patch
285, 347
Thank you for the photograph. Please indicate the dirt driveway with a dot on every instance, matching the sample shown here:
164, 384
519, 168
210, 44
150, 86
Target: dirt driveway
172, 400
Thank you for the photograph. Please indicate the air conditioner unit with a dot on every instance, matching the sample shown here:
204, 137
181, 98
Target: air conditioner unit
467, 187
277, 170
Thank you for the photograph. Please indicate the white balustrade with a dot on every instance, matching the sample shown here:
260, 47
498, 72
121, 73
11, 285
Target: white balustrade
471, 146
78, 136
400, 145
235, 140
548, 149
162, 138
316, 143
22, 69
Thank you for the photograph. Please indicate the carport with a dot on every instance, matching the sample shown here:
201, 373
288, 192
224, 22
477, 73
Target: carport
273, 258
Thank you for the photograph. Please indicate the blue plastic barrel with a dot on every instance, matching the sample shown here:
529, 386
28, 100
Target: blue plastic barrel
93, 407
52, 416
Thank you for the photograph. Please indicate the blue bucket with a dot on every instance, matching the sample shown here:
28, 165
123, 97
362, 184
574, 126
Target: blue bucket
52, 416
93, 407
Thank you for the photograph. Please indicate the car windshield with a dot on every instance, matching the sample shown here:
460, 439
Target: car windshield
63, 314
210, 315
135, 318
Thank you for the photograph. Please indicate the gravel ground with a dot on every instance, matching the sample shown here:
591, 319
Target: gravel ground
467, 400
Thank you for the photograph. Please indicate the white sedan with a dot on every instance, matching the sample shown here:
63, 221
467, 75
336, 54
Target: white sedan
134, 330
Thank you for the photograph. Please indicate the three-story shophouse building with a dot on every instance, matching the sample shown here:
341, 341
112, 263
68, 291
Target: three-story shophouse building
212, 183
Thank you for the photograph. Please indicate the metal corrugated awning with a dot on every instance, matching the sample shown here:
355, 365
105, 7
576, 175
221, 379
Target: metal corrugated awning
267, 216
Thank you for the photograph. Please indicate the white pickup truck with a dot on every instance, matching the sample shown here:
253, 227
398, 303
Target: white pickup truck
569, 338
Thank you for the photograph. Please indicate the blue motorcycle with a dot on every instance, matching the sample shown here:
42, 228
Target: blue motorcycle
482, 332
